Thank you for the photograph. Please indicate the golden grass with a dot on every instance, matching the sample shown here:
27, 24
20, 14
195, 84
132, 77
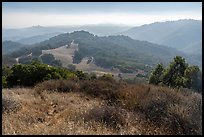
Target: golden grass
101, 107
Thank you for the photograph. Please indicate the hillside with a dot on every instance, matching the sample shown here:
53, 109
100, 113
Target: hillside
119, 52
66, 53
10, 46
68, 107
184, 35
124, 50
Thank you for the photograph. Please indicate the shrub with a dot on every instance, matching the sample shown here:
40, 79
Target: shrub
108, 115
58, 85
99, 88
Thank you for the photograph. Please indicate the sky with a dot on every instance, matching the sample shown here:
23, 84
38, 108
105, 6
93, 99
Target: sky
27, 14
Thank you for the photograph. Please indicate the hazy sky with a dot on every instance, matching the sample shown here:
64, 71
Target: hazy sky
26, 14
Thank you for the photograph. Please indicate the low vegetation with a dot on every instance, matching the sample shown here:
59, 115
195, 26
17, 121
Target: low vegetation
59, 101
101, 106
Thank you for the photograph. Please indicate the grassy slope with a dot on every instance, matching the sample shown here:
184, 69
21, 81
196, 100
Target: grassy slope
100, 107
65, 55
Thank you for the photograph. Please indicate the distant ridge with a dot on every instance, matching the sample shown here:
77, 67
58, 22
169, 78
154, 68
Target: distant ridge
184, 35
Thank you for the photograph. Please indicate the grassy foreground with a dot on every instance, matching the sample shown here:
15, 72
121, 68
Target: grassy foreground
64, 107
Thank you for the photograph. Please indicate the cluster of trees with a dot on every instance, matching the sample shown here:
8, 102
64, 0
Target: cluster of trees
177, 74
36, 72
30, 74
45, 58
77, 57
50, 60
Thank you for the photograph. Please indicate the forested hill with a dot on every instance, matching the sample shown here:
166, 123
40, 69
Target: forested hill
110, 51
10, 46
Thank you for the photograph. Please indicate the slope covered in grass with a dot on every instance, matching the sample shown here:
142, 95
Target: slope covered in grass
101, 106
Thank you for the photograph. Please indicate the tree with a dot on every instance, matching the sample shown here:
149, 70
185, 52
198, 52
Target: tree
193, 78
155, 77
47, 58
56, 63
173, 76
77, 57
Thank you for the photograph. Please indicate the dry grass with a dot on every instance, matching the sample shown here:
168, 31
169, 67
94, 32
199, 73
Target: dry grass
100, 107
63, 53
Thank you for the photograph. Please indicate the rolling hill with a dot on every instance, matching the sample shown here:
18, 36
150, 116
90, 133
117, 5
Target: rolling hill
108, 52
10, 46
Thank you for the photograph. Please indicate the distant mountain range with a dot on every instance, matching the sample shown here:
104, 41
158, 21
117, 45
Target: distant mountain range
30, 34
184, 35
119, 51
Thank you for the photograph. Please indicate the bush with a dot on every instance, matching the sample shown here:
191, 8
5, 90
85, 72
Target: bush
102, 89
108, 115
81, 75
58, 86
